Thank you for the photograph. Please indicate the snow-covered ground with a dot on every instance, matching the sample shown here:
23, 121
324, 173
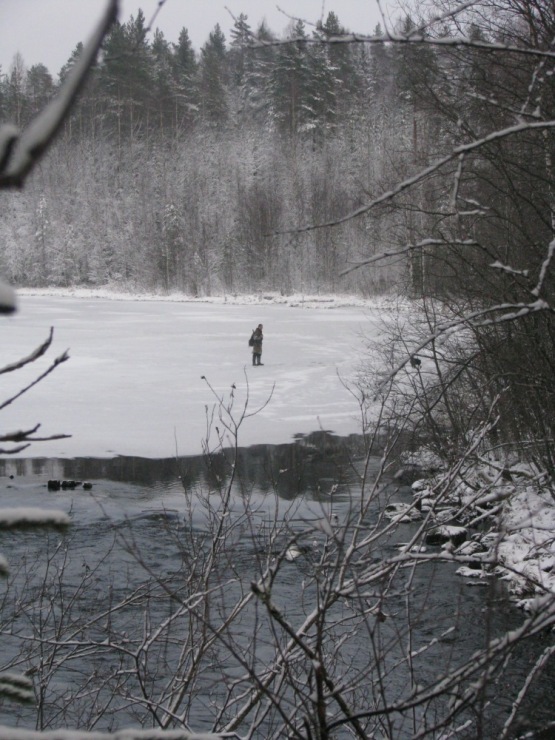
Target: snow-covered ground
133, 384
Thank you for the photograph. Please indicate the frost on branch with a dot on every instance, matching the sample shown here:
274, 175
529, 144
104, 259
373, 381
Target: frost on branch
23, 438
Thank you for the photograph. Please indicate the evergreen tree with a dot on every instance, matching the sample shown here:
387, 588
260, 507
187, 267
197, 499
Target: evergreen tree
322, 91
375, 65
126, 78
139, 61
291, 74
214, 78
416, 69
341, 74
163, 91
66, 68
185, 75
257, 88
241, 38
15, 99
86, 117
250, 69
39, 88
3, 85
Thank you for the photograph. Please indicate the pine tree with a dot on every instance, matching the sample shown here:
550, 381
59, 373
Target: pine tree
3, 112
185, 80
163, 92
241, 38
15, 100
415, 65
86, 115
250, 70
341, 78
321, 93
126, 78
261, 61
39, 88
289, 82
214, 78
376, 67
66, 68
138, 61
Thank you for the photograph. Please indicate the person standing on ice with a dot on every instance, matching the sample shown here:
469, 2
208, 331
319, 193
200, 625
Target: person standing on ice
256, 339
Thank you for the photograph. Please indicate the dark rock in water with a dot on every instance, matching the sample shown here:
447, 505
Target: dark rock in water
446, 533
64, 485
402, 512
87, 486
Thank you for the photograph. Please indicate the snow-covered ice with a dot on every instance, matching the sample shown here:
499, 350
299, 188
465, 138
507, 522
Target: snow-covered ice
133, 384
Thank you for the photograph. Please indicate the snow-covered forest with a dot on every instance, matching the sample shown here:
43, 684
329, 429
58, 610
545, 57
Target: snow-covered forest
176, 168
187, 171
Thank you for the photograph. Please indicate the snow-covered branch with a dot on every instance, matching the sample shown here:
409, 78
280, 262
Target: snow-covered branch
19, 152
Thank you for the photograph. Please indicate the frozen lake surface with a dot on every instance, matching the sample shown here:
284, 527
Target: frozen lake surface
133, 384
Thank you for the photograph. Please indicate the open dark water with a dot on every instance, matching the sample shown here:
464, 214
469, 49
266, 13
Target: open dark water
137, 505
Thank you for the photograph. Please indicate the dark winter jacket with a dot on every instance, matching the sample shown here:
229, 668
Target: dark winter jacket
257, 338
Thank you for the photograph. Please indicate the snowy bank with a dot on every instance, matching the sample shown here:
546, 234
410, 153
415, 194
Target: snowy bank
296, 300
510, 509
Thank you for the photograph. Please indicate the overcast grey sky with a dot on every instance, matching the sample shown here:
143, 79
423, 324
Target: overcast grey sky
47, 31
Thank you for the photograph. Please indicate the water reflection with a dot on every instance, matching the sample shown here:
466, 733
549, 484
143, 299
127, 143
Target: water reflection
311, 466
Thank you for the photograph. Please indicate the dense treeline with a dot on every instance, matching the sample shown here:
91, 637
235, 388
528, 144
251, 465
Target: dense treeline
181, 167
186, 171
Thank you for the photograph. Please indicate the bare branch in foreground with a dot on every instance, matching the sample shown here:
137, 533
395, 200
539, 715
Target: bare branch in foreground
19, 153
